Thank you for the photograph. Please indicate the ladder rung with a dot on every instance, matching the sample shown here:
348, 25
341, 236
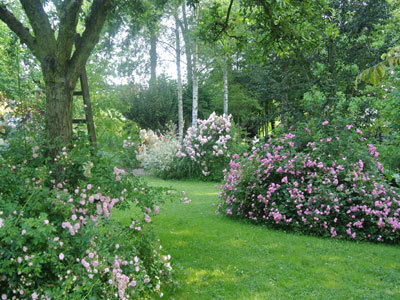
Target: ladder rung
78, 121
78, 93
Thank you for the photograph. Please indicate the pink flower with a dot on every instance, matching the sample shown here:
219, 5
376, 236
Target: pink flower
325, 123
147, 218
46, 222
61, 256
277, 217
349, 127
359, 131
116, 246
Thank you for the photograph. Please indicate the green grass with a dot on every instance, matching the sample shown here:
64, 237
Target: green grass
219, 258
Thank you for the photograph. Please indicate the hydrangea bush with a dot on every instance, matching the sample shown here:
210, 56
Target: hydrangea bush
207, 149
58, 238
333, 187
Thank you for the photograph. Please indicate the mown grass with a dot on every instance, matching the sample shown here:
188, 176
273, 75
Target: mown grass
219, 258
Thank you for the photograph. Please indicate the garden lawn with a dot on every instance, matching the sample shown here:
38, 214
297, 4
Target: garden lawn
215, 257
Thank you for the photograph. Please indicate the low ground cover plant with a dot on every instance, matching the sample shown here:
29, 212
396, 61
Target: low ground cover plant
334, 186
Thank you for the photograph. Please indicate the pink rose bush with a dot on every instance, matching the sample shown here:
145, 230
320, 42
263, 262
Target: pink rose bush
206, 149
326, 187
58, 239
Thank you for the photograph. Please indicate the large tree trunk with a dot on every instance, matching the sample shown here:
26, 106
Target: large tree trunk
178, 69
153, 57
59, 92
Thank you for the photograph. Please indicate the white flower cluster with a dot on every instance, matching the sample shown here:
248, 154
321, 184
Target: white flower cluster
208, 140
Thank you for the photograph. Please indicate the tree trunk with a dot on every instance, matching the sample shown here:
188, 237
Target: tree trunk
195, 74
266, 117
59, 92
153, 58
178, 69
188, 45
225, 79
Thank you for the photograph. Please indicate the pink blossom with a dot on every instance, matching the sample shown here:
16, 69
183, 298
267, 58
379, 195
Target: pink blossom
325, 123
61, 256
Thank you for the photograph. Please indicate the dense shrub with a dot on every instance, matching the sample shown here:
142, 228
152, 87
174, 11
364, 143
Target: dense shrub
58, 239
159, 158
206, 150
333, 186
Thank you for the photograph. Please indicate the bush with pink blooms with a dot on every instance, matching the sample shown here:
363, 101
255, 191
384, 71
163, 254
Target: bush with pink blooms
58, 239
206, 150
333, 186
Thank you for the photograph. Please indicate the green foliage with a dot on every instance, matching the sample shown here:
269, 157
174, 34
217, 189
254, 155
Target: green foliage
375, 73
154, 107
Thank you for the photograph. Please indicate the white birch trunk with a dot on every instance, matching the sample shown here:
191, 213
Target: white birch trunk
195, 87
195, 72
225, 79
178, 69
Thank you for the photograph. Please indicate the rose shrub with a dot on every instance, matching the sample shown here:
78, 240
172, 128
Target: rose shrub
332, 186
206, 150
58, 239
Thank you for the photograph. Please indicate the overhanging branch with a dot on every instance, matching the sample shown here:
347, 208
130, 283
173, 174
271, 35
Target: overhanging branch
16, 26
40, 24
69, 15
90, 37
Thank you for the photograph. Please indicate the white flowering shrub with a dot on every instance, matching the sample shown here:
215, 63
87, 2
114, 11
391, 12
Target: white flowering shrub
207, 149
160, 156
148, 139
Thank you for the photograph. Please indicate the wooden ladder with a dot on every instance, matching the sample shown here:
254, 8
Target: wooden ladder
84, 92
